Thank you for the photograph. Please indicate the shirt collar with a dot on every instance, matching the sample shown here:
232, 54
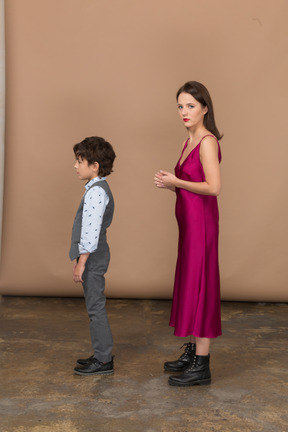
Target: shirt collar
94, 180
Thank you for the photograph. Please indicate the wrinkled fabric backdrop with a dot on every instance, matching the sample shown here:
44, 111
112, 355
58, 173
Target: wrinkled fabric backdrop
75, 69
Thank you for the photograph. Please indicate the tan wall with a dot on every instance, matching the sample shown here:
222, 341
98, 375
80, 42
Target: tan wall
2, 108
78, 68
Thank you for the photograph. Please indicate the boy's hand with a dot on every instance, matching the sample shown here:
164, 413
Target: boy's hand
78, 271
79, 267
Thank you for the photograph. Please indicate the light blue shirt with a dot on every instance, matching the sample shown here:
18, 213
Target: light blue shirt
95, 202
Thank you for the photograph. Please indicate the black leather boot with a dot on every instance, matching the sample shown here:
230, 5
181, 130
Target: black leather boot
184, 360
196, 374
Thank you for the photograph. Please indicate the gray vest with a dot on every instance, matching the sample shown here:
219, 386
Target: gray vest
107, 219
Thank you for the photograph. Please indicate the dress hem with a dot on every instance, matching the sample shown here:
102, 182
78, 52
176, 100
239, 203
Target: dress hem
195, 335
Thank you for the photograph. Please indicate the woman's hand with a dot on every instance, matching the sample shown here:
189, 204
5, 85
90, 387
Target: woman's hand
165, 180
158, 180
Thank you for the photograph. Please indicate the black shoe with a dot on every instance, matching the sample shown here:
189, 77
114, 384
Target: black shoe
184, 360
196, 374
84, 361
95, 367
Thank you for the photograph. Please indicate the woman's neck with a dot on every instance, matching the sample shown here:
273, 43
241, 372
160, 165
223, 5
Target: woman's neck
196, 134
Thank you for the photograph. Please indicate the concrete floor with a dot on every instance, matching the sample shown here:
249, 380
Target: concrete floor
41, 338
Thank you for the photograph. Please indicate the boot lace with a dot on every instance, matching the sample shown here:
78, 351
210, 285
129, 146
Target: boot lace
189, 368
187, 351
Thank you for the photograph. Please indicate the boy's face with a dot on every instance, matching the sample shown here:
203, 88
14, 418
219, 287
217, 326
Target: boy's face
85, 171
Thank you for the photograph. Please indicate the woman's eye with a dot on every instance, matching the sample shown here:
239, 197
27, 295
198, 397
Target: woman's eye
180, 106
190, 106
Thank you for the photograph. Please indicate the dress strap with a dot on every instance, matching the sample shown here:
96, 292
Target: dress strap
210, 136
185, 145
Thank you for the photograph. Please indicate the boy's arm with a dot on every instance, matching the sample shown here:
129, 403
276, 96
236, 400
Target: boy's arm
79, 267
95, 203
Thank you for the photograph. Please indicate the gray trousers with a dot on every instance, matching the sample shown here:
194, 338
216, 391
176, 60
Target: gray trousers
95, 300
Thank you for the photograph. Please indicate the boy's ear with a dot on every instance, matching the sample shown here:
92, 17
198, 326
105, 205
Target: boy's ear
96, 166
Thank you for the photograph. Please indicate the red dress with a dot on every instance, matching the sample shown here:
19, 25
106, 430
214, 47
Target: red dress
196, 297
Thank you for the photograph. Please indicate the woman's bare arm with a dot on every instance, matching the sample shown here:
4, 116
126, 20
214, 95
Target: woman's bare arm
211, 167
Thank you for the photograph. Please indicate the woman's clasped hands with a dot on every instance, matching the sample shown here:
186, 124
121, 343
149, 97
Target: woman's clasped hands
165, 180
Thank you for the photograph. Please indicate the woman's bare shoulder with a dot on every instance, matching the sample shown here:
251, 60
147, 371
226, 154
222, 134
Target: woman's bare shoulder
209, 141
209, 144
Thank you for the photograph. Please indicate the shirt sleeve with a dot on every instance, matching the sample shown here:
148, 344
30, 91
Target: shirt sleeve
95, 202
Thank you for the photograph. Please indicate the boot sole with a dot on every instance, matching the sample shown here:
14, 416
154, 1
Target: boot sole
175, 370
188, 384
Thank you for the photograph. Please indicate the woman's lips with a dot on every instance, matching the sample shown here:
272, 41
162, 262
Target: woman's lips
185, 119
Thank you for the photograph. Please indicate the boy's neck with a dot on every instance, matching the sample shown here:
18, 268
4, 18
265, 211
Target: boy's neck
95, 176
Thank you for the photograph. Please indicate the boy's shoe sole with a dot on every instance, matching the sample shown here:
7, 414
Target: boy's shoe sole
108, 372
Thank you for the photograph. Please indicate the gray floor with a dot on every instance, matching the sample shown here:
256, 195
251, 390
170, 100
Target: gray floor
41, 338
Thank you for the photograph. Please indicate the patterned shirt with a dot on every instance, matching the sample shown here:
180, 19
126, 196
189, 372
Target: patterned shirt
95, 202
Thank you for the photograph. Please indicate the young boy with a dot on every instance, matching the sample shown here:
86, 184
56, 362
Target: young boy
94, 161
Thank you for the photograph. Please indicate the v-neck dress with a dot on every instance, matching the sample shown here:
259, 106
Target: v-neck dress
196, 308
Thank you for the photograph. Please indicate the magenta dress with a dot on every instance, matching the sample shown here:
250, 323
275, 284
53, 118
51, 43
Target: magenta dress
196, 297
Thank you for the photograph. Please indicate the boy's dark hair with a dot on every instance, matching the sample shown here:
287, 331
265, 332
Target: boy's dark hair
96, 149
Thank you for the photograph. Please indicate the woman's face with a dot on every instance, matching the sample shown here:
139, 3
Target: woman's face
190, 110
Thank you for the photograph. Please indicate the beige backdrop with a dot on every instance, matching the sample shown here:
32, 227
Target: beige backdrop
77, 68
2, 108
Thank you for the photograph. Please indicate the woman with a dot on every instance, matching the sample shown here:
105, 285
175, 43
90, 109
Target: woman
196, 297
